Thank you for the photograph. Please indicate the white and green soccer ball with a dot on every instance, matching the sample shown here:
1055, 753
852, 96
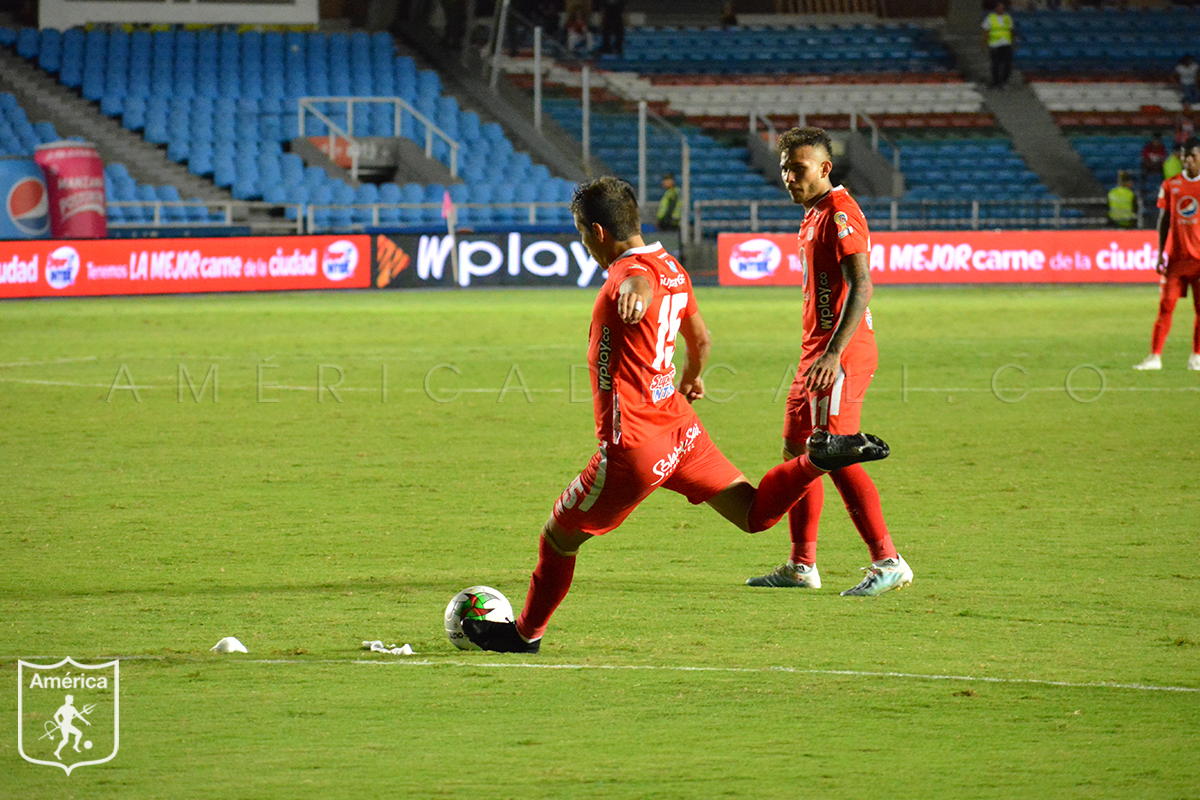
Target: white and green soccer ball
477, 602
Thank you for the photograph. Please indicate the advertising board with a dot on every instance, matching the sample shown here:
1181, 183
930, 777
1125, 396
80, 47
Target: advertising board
64, 268
513, 259
1095, 256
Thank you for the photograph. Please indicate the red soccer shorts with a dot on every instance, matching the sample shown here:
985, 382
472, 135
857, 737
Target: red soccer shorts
617, 479
837, 409
1179, 277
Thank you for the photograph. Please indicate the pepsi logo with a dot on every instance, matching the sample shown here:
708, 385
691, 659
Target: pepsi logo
28, 207
62, 267
339, 260
1187, 207
755, 258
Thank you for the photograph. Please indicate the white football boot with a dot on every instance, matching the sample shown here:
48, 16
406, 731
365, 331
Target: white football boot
1194, 362
1151, 361
882, 576
789, 575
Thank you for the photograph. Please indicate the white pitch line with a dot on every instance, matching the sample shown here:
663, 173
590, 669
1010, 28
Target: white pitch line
79, 385
42, 363
796, 671
425, 662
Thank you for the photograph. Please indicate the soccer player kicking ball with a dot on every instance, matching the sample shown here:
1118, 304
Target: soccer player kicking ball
1178, 254
838, 360
649, 435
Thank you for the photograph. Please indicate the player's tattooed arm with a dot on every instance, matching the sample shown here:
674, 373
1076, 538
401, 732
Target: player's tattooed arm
857, 274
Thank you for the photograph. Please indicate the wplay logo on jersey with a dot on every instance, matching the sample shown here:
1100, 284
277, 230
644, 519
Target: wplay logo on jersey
1187, 207
68, 714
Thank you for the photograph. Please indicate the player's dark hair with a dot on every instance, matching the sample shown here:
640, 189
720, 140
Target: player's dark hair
790, 139
612, 203
1191, 143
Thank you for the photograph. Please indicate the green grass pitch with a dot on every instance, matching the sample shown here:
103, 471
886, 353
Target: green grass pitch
355, 459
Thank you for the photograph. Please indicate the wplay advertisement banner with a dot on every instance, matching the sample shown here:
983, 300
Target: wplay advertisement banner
57, 268
513, 259
755, 259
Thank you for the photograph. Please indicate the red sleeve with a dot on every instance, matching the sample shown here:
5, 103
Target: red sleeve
850, 232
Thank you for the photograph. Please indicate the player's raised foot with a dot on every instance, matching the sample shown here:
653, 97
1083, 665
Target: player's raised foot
1152, 361
882, 576
499, 637
790, 576
830, 451
1194, 362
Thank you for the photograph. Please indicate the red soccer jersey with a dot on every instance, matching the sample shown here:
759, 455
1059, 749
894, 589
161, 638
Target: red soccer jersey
1181, 195
633, 379
833, 229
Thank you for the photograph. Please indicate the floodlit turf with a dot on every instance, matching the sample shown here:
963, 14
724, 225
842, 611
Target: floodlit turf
355, 459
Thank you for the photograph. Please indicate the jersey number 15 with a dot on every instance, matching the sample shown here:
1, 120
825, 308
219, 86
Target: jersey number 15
668, 326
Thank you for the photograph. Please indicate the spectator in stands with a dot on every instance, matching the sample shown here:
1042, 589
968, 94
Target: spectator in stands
1187, 72
1124, 208
1173, 165
998, 36
1153, 156
612, 26
1185, 127
579, 33
668, 207
728, 16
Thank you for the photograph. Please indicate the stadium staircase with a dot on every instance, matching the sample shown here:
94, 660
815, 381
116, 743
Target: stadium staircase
44, 98
1019, 111
509, 106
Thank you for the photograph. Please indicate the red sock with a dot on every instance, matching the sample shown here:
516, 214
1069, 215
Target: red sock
1196, 324
549, 585
862, 501
779, 490
803, 519
1168, 296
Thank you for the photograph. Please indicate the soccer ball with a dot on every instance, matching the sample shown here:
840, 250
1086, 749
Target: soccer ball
478, 602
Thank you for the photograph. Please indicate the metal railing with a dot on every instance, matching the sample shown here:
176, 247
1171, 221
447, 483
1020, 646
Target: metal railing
896, 215
876, 134
590, 80
222, 214
748, 215
307, 105
315, 224
755, 119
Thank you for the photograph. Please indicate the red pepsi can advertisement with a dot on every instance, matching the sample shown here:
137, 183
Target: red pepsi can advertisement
75, 183
26, 213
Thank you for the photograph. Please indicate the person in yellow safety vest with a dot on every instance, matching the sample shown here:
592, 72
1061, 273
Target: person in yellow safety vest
1173, 165
999, 35
1123, 203
668, 207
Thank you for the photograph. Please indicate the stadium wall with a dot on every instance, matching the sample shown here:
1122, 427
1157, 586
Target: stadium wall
64, 14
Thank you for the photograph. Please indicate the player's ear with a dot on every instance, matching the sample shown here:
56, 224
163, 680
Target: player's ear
826, 168
599, 232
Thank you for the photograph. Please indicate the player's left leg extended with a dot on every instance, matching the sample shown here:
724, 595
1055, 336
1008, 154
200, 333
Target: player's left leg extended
1194, 358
